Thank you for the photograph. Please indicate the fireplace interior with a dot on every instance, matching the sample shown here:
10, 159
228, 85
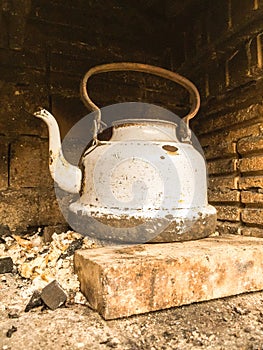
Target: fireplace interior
46, 48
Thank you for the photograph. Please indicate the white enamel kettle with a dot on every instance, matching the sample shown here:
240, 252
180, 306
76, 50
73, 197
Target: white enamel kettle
143, 185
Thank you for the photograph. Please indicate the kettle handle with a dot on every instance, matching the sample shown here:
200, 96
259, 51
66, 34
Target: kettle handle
146, 68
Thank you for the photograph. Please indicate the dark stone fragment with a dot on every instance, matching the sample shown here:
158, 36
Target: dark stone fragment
11, 331
6, 264
35, 301
53, 295
13, 315
4, 230
241, 311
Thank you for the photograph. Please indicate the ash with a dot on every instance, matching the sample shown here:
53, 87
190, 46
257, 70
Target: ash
37, 263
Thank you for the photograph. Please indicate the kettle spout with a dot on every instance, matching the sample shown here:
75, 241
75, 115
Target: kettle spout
66, 175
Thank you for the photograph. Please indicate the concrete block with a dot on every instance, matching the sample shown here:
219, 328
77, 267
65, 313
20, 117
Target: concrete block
123, 281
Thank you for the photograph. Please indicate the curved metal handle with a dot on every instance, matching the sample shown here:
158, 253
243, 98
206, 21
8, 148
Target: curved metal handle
146, 68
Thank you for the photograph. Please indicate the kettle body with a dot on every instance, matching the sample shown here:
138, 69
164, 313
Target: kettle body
143, 185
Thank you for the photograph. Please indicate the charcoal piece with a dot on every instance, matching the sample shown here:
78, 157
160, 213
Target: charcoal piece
6, 264
77, 244
53, 295
11, 331
35, 301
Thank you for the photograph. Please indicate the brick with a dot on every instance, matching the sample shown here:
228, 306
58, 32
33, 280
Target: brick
50, 230
237, 72
59, 13
57, 31
216, 151
189, 43
19, 209
217, 122
65, 85
251, 164
223, 196
228, 213
230, 135
249, 197
218, 19
254, 46
122, 281
3, 163
217, 81
250, 144
46, 179
252, 216
224, 228
241, 13
18, 104
4, 31
49, 211
24, 59
252, 231
222, 166
68, 111
251, 182
29, 166
221, 182
25, 163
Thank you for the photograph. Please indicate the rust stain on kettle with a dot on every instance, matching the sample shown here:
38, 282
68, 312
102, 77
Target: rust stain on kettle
172, 150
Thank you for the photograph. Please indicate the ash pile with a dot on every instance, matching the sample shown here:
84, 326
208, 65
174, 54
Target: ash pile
43, 270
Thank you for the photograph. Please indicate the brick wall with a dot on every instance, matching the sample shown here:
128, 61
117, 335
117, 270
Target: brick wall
222, 53
45, 49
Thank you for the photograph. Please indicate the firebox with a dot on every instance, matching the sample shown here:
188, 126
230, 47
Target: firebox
46, 47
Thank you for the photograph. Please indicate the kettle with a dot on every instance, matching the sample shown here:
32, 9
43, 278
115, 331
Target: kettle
142, 185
